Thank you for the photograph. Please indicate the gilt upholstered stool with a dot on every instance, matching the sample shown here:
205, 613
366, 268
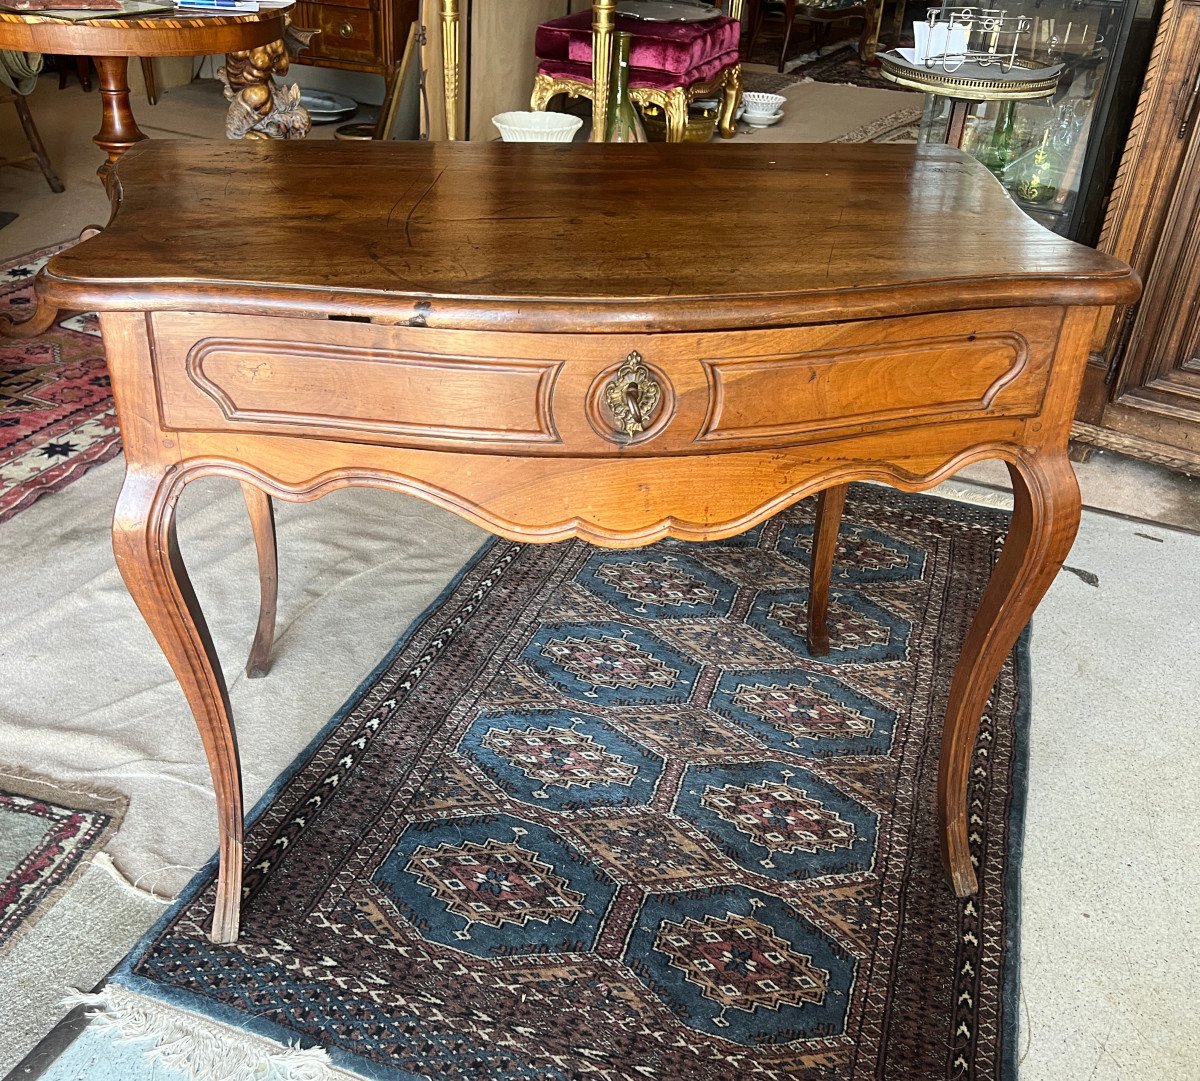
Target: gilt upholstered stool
670, 65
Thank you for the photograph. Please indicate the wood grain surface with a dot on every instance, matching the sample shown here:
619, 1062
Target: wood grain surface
654, 237
168, 34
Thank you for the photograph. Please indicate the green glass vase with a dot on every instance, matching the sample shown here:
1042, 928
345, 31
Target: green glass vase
1038, 175
999, 149
624, 124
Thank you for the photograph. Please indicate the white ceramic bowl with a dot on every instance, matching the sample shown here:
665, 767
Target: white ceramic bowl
758, 104
537, 127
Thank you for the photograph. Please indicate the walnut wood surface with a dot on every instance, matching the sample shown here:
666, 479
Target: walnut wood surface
375, 328
465, 236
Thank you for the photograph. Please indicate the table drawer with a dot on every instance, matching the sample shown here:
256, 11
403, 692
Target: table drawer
349, 31
564, 394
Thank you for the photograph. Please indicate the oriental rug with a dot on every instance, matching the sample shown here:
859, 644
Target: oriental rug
600, 815
842, 66
47, 834
901, 126
56, 410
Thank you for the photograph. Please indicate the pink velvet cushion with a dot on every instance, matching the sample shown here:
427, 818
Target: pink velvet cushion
665, 49
639, 78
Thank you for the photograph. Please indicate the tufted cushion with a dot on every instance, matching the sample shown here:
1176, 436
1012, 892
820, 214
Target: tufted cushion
661, 52
660, 80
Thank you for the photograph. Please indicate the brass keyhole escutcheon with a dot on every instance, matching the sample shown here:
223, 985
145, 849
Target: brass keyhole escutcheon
632, 396
346, 30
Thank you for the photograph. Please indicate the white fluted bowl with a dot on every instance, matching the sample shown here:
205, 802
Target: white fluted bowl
537, 127
760, 104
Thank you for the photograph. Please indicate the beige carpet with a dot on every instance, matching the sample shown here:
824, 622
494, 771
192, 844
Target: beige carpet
822, 112
88, 695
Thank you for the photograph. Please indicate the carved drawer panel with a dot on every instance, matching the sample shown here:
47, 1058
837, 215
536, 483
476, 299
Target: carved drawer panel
346, 380
759, 397
598, 394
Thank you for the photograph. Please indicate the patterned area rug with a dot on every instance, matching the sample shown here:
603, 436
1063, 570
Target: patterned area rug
901, 126
842, 66
56, 411
600, 815
47, 833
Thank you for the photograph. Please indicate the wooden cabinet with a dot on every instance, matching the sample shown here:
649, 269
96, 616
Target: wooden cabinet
357, 35
1142, 390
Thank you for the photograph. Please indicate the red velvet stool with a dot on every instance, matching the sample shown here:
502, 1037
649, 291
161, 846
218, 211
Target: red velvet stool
670, 65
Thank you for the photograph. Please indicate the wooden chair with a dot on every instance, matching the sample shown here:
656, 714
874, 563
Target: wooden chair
671, 64
821, 13
37, 149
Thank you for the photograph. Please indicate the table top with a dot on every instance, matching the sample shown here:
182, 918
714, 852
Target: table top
165, 34
575, 237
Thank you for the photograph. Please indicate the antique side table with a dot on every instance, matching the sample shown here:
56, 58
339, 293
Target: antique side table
581, 341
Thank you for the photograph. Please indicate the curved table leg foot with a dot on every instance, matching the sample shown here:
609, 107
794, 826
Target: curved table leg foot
1044, 523
830, 504
149, 561
38, 323
262, 522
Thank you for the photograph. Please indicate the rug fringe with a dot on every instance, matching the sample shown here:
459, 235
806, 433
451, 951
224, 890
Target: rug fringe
974, 493
201, 1049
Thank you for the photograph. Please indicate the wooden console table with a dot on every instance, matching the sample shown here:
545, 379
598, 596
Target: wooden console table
581, 341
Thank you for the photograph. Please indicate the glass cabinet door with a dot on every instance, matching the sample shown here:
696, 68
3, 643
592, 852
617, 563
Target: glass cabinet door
1055, 155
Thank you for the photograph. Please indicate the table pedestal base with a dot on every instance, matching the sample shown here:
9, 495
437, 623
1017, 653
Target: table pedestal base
118, 129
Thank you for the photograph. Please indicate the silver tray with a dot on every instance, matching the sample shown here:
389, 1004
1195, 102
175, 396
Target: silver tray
667, 11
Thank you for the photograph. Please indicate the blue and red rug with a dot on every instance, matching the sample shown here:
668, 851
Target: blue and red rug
56, 408
600, 815
47, 834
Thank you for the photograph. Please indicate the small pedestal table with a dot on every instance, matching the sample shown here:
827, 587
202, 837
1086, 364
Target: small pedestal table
111, 42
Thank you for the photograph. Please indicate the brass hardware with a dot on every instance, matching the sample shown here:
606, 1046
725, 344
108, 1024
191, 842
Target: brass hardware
346, 30
968, 88
632, 395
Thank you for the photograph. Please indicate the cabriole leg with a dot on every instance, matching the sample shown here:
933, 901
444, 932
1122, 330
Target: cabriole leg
148, 558
676, 109
730, 98
262, 522
1044, 523
830, 504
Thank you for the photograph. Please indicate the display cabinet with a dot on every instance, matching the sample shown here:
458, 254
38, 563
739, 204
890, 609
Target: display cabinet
1056, 154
